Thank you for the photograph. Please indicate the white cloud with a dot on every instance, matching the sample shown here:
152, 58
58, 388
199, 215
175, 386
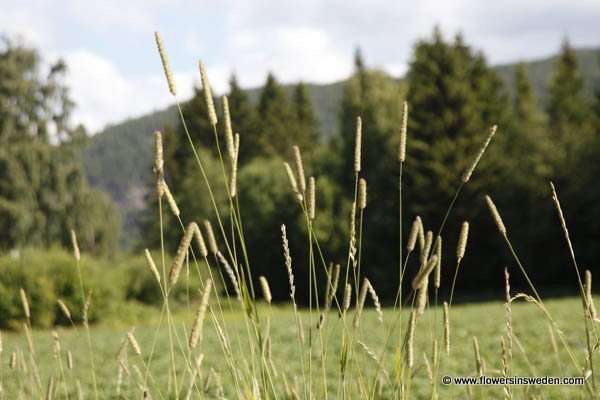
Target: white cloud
29, 22
192, 43
103, 94
106, 14
292, 53
309, 40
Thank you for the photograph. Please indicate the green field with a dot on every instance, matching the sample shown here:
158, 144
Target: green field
485, 320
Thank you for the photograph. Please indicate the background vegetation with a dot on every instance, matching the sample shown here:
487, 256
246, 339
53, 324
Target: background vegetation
547, 112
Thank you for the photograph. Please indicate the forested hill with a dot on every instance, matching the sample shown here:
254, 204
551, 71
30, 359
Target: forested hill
118, 159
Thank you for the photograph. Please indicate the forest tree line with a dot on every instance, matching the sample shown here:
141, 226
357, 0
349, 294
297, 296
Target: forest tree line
453, 97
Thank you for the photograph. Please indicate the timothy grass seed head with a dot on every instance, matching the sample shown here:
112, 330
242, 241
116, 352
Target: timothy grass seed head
266, 290
469, 171
357, 145
495, 215
165, 64
362, 194
311, 198
212, 115
462, 241
402, 150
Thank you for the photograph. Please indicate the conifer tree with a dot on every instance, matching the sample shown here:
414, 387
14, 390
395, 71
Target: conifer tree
307, 133
571, 116
576, 148
277, 120
454, 98
377, 99
177, 146
244, 120
530, 141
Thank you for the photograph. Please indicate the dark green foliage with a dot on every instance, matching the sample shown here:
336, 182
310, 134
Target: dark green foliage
244, 120
540, 72
278, 131
308, 134
377, 99
454, 98
569, 111
44, 195
128, 146
43, 192
178, 151
191, 195
530, 140
31, 108
266, 202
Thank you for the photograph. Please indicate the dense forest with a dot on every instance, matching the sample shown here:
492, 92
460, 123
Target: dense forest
454, 98
127, 146
547, 114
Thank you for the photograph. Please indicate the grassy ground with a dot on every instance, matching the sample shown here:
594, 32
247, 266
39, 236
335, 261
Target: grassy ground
486, 321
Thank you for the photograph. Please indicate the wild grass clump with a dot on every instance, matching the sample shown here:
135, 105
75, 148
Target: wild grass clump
211, 299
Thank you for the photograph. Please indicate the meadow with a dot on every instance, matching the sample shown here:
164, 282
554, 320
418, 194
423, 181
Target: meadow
537, 356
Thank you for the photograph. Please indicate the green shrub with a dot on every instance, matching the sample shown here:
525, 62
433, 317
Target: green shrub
141, 286
47, 275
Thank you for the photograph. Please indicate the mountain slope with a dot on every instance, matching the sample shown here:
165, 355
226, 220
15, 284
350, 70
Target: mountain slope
119, 158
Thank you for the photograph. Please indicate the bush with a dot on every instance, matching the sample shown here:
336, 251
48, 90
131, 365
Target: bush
142, 286
48, 275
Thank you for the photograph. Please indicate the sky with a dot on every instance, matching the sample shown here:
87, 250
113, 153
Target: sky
115, 72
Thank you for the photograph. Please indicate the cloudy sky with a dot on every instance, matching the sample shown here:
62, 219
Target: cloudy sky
115, 72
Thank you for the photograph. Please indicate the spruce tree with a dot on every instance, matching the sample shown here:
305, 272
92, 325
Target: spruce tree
277, 120
244, 120
530, 141
307, 132
571, 116
177, 147
377, 99
454, 97
576, 148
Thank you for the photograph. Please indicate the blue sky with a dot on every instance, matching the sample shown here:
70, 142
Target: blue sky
115, 72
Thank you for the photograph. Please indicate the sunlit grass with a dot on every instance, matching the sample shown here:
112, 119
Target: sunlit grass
485, 320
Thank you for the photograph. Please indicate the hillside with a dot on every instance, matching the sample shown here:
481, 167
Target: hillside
540, 72
119, 158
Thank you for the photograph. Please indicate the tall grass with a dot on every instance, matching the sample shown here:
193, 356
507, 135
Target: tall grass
337, 357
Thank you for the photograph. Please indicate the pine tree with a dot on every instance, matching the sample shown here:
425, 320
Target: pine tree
244, 120
530, 141
576, 148
377, 99
178, 152
571, 116
454, 98
307, 133
277, 120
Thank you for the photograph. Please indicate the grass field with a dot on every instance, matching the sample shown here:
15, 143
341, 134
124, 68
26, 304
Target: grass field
485, 320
